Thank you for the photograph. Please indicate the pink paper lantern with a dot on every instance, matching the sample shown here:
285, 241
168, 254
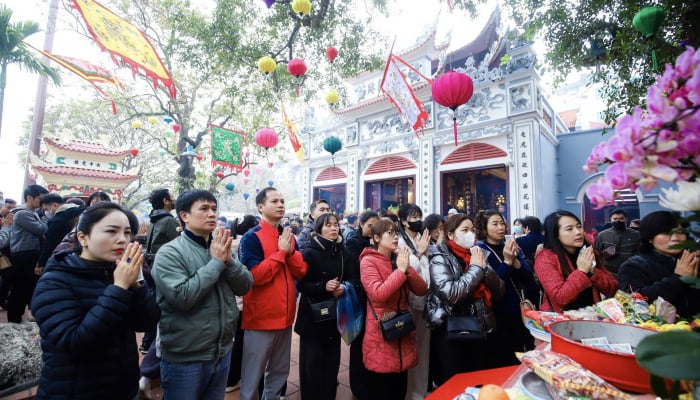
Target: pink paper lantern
266, 138
176, 128
452, 90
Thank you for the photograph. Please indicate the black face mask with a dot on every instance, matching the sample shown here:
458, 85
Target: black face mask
415, 226
618, 225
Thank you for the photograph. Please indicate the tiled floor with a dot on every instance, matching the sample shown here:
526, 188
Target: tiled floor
292, 383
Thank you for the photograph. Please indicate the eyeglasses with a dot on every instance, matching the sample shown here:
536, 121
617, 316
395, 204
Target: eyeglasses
392, 233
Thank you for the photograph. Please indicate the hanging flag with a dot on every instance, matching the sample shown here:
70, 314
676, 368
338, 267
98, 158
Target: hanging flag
90, 72
296, 144
397, 89
125, 43
227, 147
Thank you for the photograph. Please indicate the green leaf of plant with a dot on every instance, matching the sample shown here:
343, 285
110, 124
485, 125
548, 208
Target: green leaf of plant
658, 385
674, 355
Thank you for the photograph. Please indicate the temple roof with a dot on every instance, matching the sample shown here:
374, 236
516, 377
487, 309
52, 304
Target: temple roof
86, 149
83, 173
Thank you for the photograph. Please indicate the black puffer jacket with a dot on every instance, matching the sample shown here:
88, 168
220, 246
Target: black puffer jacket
327, 260
87, 327
651, 274
451, 287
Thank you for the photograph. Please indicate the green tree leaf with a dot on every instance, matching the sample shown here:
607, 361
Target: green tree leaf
674, 355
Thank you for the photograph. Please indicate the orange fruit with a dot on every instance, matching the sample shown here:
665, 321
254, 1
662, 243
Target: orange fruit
492, 392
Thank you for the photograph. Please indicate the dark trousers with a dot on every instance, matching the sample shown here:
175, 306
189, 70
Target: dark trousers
319, 362
359, 374
390, 386
511, 336
150, 365
23, 284
449, 357
234, 373
4, 285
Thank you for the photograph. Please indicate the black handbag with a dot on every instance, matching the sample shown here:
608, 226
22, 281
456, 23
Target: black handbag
326, 310
464, 327
468, 322
323, 310
401, 324
395, 324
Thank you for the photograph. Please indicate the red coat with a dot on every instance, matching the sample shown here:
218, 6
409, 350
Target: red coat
382, 285
561, 292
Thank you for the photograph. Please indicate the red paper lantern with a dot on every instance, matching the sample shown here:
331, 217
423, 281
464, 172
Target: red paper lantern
199, 157
296, 67
134, 152
246, 172
452, 90
331, 53
176, 128
219, 174
266, 138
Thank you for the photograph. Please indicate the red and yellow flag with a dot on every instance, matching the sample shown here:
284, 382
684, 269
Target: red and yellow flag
125, 43
92, 73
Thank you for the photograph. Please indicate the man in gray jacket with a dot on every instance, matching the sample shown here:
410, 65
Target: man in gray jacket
197, 278
26, 235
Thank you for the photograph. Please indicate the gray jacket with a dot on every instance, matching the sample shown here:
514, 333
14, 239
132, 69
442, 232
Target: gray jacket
451, 287
27, 230
304, 238
4, 236
196, 295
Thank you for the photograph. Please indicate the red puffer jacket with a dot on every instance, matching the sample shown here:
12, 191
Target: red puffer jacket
560, 292
383, 286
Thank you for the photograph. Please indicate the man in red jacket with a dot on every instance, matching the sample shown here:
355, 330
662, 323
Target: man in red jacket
269, 307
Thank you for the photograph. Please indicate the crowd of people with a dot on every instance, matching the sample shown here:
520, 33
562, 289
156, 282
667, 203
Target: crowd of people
200, 290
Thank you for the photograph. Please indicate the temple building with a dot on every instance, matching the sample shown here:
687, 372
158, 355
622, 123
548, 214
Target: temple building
505, 157
79, 168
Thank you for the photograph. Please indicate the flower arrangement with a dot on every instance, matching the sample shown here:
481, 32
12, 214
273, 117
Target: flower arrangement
660, 142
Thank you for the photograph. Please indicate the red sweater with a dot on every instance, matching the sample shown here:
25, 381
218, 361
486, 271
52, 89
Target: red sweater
561, 292
271, 302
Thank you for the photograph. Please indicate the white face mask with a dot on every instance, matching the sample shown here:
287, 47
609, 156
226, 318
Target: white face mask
465, 240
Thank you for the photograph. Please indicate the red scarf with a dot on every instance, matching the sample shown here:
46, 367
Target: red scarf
464, 254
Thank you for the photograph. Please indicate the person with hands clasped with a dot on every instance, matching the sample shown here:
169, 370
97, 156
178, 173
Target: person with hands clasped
572, 274
330, 269
509, 262
197, 277
658, 269
88, 305
460, 279
413, 236
388, 278
270, 253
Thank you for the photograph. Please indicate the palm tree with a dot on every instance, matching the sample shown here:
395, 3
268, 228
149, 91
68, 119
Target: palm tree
14, 51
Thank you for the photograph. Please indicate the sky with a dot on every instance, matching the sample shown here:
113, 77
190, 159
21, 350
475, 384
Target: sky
20, 92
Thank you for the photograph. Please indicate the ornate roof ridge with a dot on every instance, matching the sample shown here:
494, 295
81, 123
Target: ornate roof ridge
84, 146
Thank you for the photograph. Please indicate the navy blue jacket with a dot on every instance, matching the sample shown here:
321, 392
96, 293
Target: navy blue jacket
87, 327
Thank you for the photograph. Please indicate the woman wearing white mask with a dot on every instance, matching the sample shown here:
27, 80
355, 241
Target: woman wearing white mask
459, 279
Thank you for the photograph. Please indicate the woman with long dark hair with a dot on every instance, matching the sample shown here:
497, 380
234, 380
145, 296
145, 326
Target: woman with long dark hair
460, 278
509, 262
658, 268
571, 273
360, 240
330, 268
88, 305
388, 279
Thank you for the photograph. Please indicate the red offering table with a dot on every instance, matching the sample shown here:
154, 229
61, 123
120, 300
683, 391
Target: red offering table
456, 385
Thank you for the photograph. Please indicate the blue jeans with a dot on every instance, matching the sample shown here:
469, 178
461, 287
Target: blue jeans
195, 380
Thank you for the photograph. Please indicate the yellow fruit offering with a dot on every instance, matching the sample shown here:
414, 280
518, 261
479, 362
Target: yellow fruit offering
492, 392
